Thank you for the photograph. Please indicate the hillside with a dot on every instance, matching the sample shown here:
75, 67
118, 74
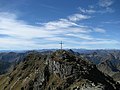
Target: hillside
107, 61
9, 59
60, 70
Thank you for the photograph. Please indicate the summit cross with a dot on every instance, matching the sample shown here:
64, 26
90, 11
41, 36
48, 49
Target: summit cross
61, 43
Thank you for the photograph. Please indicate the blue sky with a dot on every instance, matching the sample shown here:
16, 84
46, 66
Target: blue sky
42, 24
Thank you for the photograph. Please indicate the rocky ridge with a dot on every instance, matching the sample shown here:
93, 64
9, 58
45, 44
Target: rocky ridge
60, 70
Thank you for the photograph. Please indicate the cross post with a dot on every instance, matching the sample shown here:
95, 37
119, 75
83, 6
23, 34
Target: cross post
61, 45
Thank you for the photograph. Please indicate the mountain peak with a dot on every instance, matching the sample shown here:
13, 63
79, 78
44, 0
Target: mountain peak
60, 70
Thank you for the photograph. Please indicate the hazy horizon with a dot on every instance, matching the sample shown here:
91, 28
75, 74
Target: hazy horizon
53, 49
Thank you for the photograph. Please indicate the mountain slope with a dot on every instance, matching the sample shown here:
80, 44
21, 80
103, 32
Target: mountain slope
61, 70
107, 61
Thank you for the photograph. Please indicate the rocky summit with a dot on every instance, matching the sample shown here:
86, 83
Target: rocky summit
59, 70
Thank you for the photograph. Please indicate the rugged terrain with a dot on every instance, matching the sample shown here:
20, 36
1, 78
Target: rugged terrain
107, 61
8, 59
59, 70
